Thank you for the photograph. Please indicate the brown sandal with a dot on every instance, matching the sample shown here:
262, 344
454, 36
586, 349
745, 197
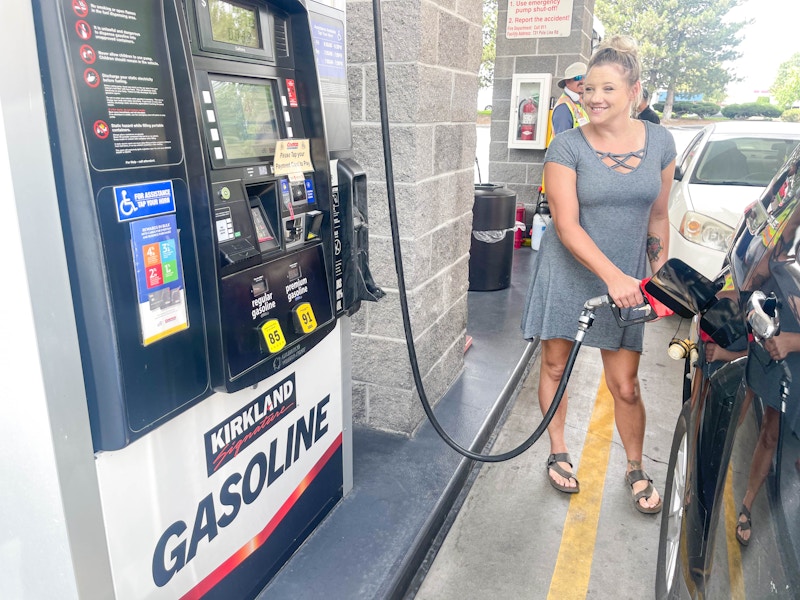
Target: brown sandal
552, 463
743, 525
640, 475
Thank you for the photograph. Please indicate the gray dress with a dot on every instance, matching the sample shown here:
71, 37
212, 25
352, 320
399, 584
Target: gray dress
615, 211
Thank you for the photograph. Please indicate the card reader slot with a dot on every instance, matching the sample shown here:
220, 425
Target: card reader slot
264, 231
263, 201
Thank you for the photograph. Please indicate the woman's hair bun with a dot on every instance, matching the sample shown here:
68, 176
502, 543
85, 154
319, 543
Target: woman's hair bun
623, 44
620, 50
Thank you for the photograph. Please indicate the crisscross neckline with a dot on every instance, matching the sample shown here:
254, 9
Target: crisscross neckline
619, 162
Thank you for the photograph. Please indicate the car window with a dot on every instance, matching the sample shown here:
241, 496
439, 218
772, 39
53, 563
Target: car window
748, 161
690, 152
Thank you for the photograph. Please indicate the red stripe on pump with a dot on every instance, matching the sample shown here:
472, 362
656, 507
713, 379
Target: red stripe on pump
254, 544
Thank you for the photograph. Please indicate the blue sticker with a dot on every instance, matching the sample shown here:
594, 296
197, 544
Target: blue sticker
144, 200
310, 191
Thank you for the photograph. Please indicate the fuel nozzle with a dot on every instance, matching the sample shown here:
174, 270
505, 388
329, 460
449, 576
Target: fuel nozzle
587, 315
633, 316
597, 302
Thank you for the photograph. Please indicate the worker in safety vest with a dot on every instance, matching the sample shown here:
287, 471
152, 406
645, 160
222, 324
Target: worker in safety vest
568, 111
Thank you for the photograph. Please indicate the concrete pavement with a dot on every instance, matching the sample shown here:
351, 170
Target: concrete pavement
517, 537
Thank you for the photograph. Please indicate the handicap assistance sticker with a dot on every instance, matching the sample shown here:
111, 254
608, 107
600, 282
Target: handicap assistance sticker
159, 278
144, 200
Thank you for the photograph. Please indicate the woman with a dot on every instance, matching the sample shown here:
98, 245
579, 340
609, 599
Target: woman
607, 185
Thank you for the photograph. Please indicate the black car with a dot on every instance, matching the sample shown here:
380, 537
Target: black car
737, 439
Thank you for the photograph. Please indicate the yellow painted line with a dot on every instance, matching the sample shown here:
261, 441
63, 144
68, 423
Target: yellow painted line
735, 572
574, 562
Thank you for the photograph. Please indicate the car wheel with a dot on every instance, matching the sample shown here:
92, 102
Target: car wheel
668, 568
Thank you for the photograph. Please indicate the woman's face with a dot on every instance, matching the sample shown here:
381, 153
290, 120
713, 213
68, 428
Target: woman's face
607, 95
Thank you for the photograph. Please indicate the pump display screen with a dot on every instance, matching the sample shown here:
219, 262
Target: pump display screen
233, 23
247, 119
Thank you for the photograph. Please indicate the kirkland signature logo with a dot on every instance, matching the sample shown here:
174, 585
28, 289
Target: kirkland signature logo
237, 432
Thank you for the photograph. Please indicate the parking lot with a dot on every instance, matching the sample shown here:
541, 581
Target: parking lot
517, 537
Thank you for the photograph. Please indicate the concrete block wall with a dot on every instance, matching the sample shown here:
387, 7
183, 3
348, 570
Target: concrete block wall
432, 51
521, 170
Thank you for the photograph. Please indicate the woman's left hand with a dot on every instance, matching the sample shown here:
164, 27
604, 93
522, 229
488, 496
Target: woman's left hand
780, 346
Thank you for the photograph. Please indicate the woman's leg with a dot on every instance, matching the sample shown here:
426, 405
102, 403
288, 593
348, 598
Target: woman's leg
621, 369
761, 462
554, 357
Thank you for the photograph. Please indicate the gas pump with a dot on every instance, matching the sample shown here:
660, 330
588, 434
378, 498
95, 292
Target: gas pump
214, 252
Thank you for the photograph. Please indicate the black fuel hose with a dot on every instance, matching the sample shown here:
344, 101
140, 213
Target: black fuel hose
401, 285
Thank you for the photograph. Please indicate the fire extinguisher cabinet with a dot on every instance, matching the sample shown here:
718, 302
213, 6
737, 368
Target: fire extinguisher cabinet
492, 245
530, 102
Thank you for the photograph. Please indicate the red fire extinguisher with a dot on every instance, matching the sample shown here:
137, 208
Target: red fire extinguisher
527, 118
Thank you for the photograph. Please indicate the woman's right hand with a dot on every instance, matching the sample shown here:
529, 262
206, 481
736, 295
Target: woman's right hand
624, 290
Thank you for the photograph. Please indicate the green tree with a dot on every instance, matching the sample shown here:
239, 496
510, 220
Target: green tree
751, 109
786, 88
791, 116
701, 109
486, 72
684, 44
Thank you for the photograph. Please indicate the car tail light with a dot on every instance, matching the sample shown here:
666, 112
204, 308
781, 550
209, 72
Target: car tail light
705, 231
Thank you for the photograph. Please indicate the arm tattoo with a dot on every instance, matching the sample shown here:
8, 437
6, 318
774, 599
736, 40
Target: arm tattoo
654, 247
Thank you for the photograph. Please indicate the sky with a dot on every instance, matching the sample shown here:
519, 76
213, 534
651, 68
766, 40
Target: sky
772, 38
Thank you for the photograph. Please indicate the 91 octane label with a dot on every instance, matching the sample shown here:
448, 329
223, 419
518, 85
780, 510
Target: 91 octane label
273, 335
304, 317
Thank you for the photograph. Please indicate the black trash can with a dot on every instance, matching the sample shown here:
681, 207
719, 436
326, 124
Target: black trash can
492, 244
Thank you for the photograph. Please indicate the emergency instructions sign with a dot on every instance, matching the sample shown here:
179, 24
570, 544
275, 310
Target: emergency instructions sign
538, 18
120, 70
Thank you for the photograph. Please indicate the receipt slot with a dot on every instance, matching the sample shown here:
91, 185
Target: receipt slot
215, 247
